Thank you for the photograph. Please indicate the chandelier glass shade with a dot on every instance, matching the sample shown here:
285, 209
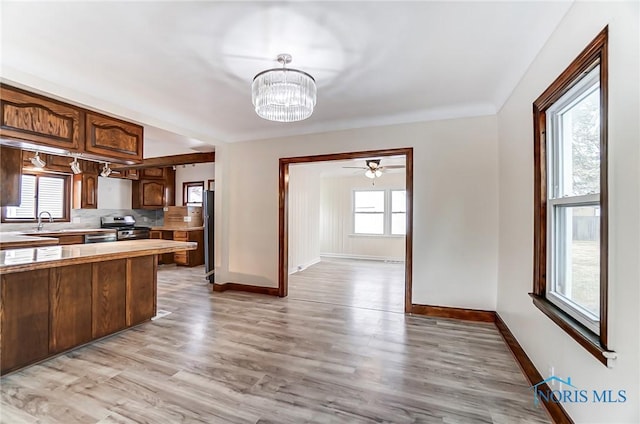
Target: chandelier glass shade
283, 94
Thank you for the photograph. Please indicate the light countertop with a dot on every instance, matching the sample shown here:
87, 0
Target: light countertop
28, 259
16, 240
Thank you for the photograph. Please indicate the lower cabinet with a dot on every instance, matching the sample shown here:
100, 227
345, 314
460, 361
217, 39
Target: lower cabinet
186, 257
70, 314
109, 290
24, 309
45, 312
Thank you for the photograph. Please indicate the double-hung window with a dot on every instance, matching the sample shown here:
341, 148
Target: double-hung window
380, 212
570, 258
40, 193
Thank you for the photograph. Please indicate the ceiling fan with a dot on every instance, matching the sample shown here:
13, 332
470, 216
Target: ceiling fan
374, 169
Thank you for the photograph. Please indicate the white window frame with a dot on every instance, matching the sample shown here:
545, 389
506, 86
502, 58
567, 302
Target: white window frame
387, 212
556, 201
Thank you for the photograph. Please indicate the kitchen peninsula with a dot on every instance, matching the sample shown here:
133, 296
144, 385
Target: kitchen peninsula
56, 298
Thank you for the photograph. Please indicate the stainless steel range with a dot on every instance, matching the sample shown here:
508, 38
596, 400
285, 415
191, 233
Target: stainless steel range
125, 226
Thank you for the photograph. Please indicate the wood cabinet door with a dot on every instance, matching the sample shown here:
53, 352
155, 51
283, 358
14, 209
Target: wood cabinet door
31, 117
24, 312
114, 138
108, 297
148, 194
70, 299
10, 176
85, 191
141, 289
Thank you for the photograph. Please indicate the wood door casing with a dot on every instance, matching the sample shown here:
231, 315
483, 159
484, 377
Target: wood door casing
70, 294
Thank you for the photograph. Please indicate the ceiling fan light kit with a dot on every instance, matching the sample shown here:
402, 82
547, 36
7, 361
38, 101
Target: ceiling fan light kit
283, 94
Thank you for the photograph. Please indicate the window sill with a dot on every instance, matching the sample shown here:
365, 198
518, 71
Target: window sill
585, 337
377, 235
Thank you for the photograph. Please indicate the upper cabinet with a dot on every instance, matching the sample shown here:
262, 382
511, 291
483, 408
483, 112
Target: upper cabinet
34, 122
113, 138
32, 117
10, 176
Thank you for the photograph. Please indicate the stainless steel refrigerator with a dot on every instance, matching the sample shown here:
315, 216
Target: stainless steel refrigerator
209, 257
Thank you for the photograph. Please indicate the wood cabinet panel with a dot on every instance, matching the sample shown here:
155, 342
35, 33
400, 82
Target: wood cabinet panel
114, 138
108, 297
31, 117
72, 239
141, 289
153, 173
85, 191
24, 318
189, 257
70, 293
10, 176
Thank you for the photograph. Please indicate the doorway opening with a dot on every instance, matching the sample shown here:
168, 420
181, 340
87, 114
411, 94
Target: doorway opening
283, 217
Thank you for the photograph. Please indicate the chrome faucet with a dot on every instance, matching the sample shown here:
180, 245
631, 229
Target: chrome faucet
40, 224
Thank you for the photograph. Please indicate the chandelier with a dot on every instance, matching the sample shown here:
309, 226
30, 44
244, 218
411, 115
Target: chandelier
283, 94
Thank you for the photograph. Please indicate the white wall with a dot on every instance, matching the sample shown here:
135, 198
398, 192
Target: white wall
114, 193
191, 173
545, 343
304, 217
336, 219
455, 205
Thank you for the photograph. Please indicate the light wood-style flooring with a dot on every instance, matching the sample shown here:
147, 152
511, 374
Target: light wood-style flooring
236, 357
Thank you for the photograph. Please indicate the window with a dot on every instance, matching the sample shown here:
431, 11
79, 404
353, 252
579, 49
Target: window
40, 193
570, 121
371, 212
398, 212
368, 207
192, 193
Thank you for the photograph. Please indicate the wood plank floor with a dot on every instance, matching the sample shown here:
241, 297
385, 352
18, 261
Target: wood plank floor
243, 358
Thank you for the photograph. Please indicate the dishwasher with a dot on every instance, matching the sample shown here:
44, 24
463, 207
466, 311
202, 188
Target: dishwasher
100, 238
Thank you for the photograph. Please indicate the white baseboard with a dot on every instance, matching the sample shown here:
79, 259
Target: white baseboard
361, 257
293, 270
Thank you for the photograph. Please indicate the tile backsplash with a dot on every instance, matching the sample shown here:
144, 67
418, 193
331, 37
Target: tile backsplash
90, 218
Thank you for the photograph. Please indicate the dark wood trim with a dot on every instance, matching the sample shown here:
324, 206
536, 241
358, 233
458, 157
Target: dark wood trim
596, 53
283, 229
166, 161
454, 313
554, 409
271, 291
188, 184
585, 337
283, 205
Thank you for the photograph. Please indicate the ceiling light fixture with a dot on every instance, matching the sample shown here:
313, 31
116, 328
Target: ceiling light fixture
370, 173
75, 166
283, 94
106, 171
37, 161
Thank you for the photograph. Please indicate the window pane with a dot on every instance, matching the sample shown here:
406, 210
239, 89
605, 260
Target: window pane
28, 203
398, 223
577, 256
194, 194
398, 201
579, 155
369, 201
51, 196
369, 223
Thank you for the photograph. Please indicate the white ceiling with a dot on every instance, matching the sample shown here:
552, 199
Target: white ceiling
186, 67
